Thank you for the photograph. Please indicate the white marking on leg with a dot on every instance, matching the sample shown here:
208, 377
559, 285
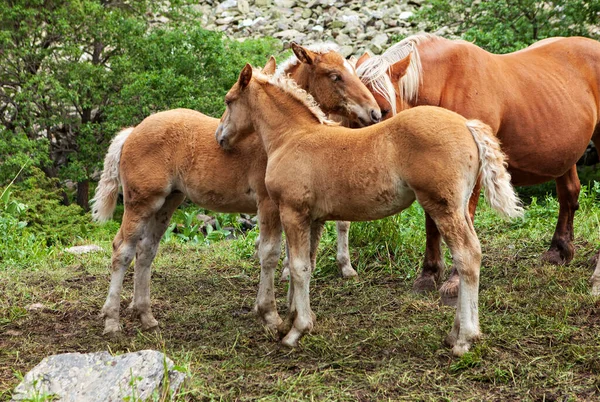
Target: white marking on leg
343, 250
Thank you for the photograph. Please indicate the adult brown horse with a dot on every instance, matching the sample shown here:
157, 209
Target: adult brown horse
543, 103
172, 155
427, 154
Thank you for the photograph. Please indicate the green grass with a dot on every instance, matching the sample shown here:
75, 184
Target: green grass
374, 339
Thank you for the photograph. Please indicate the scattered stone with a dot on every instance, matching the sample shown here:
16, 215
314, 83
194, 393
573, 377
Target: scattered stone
90, 248
35, 307
100, 377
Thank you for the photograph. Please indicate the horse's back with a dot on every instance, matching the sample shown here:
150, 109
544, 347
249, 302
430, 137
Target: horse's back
176, 150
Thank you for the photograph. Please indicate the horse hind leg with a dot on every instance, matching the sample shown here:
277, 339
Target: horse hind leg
449, 289
433, 264
561, 249
343, 251
145, 253
124, 246
459, 234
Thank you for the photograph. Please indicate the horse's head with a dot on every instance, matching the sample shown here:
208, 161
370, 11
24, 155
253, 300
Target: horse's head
383, 80
236, 122
333, 83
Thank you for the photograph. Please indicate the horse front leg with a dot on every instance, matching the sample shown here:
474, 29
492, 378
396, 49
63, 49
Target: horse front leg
300, 318
269, 250
343, 250
561, 249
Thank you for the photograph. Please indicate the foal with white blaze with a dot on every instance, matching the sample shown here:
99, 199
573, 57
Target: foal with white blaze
172, 155
429, 154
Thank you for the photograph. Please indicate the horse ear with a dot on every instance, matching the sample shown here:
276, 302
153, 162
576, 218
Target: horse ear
362, 59
398, 69
245, 76
270, 67
303, 54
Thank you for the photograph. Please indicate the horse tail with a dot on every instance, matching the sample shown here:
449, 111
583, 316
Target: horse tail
105, 198
492, 170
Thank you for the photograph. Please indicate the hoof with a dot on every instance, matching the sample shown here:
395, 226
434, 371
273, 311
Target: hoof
292, 338
450, 340
460, 348
112, 330
151, 330
449, 291
595, 287
424, 284
285, 326
285, 275
553, 257
348, 272
593, 261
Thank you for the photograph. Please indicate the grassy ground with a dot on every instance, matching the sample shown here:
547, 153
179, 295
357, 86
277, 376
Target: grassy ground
374, 339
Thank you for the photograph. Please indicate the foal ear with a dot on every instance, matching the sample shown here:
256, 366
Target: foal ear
270, 67
398, 69
303, 54
245, 76
362, 59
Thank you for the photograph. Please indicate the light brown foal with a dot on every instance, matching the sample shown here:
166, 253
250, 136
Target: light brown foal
429, 154
172, 155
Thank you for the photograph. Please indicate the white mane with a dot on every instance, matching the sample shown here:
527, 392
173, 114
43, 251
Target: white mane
291, 87
374, 71
320, 48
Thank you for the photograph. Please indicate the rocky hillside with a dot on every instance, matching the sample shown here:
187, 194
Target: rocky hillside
356, 25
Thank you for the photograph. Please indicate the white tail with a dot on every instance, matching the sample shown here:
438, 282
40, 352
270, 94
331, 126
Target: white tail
105, 198
492, 169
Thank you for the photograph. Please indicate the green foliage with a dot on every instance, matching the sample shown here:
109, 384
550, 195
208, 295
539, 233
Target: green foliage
47, 218
185, 227
506, 26
73, 73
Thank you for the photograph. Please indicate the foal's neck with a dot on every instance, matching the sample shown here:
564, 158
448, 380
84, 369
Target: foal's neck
278, 115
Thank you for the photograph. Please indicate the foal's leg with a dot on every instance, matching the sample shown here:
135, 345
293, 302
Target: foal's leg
145, 253
595, 279
343, 252
124, 246
300, 318
458, 232
433, 264
269, 251
561, 248
449, 289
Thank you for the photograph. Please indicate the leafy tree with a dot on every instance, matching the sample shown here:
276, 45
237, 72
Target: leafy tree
73, 72
504, 26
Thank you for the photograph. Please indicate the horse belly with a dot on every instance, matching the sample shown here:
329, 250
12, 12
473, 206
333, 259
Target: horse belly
370, 204
224, 200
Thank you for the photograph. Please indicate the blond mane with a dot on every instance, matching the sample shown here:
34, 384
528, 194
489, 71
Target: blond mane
374, 71
290, 86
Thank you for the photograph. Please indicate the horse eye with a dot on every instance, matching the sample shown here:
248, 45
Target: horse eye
227, 102
384, 112
336, 77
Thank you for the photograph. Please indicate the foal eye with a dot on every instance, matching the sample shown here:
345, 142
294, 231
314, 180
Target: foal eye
336, 77
384, 112
227, 102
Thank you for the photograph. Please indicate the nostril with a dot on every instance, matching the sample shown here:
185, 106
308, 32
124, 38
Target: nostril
221, 142
375, 116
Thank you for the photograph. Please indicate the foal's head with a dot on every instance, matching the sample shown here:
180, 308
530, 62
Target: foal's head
333, 83
286, 102
383, 80
236, 122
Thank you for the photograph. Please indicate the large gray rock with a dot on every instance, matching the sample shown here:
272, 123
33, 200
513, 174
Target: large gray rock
99, 377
